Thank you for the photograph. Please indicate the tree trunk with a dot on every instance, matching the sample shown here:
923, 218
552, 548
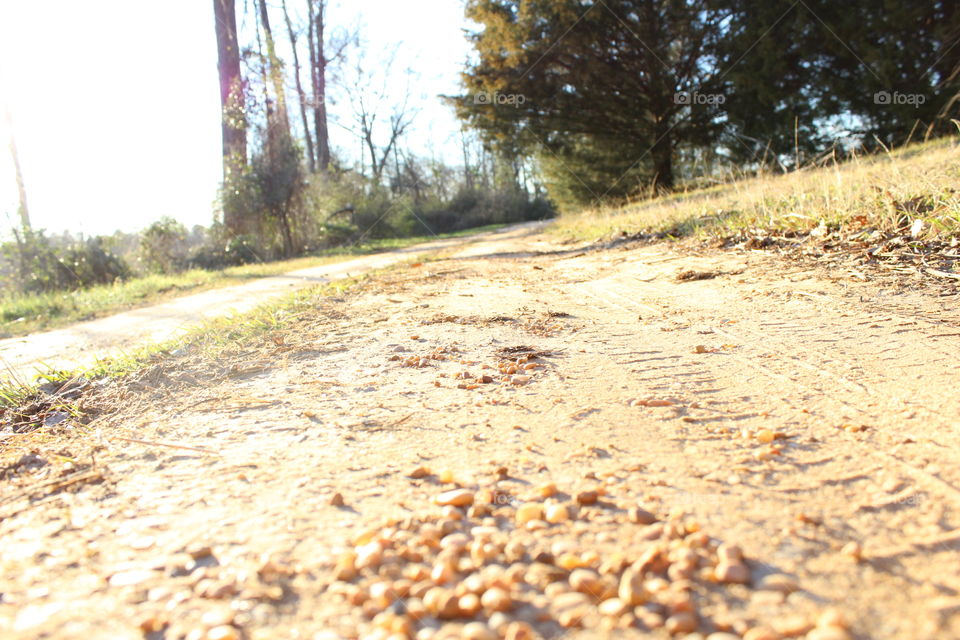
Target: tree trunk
662, 154
276, 71
319, 78
467, 172
232, 117
367, 132
15, 157
287, 234
302, 97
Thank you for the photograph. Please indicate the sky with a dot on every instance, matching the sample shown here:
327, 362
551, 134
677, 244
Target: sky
116, 102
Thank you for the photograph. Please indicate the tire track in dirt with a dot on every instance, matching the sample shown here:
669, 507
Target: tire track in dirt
315, 421
821, 376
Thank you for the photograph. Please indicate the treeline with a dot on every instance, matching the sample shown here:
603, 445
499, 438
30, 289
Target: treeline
285, 188
622, 98
35, 262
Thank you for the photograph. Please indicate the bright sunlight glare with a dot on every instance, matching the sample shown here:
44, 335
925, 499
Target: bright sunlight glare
116, 109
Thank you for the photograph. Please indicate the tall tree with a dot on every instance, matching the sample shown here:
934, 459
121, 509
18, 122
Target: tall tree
301, 95
316, 11
276, 165
370, 96
766, 72
874, 68
274, 69
893, 60
232, 117
15, 157
592, 88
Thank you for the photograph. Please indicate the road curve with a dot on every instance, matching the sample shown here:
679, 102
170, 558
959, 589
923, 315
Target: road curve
82, 344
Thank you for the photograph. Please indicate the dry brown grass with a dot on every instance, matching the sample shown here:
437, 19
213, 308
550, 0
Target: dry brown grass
883, 192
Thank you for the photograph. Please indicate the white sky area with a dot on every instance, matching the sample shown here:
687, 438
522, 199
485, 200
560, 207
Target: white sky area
116, 102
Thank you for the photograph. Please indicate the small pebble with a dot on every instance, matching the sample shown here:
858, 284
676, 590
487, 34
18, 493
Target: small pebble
683, 622
791, 626
631, 588
223, 632
587, 497
496, 599
586, 581
557, 513
547, 490
369, 556
737, 573
729, 553
518, 631
477, 631
570, 608
528, 512
469, 604
613, 607
641, 516
832, 617
455, 498
762, 633
153, 624
853, 550
442, 603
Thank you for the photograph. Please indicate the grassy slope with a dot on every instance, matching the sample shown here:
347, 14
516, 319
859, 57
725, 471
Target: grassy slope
873, 192
24, 314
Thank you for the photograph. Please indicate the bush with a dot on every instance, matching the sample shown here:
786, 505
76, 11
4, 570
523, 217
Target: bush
163, 246
33, 263
471, 208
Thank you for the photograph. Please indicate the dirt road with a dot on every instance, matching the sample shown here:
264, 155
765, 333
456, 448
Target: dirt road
613, 416
81, 344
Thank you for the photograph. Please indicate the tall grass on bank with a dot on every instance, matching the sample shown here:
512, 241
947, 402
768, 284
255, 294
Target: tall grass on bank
920, 182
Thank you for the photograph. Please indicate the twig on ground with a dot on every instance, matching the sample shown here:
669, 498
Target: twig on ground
166, 444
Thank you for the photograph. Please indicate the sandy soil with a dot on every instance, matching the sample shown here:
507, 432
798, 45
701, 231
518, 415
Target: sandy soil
807, 418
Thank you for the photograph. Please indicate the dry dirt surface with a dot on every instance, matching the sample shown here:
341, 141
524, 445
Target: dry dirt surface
82, 344
517, 440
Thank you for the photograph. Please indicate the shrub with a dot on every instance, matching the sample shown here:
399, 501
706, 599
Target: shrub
35, 263
163, 246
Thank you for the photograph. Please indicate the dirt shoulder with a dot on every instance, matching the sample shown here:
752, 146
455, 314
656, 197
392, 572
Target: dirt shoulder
679, 409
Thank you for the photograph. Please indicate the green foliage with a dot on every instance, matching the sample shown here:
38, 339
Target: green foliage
590, 89
34, 263
584, 170
376, 213
620, 98
163, 246
864, 68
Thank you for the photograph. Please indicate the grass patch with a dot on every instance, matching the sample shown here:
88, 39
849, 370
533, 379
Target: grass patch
882, 194
24, 314
216, 347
